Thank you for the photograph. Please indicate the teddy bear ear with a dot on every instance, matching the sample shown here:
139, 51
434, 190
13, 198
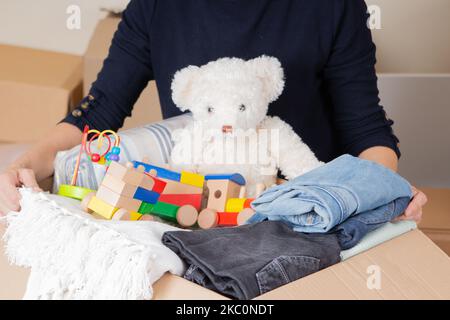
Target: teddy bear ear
181, 86
270, 71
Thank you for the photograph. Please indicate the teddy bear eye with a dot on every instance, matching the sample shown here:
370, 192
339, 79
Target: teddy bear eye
210, 109
242, 108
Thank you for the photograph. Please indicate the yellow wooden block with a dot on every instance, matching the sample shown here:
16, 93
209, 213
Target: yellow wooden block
102, 208
192, 179
235, 204
135, 216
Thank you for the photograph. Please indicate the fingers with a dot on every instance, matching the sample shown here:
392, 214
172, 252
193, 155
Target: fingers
9, 195
28, 179
414, 211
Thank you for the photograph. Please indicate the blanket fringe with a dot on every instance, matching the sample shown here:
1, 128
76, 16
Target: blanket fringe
75, 257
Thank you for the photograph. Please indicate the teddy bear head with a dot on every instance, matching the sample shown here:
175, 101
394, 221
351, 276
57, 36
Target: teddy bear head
229, 93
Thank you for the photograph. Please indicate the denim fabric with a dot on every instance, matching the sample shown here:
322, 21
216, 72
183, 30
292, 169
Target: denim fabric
244, 262
351, 231
327, 196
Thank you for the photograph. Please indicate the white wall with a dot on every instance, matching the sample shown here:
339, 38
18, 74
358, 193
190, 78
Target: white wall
41, 24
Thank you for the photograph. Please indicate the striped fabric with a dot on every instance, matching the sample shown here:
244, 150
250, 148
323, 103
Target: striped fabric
153, 141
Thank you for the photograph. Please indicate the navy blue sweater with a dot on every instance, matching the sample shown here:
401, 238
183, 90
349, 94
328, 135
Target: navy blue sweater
331, 96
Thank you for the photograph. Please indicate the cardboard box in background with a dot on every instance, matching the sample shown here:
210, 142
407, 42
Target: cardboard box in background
37, 89
147, 108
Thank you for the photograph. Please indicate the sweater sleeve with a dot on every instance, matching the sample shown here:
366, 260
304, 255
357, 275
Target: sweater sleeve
125, 73
351, 82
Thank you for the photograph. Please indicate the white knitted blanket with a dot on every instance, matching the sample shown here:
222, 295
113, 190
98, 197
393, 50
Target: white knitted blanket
73, 256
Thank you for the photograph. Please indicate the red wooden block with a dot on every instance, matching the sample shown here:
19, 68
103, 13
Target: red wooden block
248, 202
159, 185
194, 200
227, 219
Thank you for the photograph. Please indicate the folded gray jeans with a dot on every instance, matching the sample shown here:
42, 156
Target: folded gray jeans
247, 261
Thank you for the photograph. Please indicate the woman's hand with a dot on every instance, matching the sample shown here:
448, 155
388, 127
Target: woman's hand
9, 181
414, 209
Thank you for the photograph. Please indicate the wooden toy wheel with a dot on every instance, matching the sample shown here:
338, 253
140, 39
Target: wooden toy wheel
244, 215
208, 219
85, 202
147, 217
187, 216
122, 214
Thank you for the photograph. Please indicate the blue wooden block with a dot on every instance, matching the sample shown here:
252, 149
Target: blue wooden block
160, 172
146, 195
236, 178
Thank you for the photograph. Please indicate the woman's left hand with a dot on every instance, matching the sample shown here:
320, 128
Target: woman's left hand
414, 209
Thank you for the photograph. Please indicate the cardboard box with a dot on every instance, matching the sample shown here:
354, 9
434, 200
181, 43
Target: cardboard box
411, 267
436, 217
37, 89
147, 108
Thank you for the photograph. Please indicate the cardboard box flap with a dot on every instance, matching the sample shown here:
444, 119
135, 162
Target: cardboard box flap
38, 67
437, 211
410, 267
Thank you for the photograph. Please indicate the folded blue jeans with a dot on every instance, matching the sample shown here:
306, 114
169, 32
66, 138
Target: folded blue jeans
326, 197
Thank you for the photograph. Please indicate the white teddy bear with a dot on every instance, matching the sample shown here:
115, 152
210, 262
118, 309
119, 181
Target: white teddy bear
230, 131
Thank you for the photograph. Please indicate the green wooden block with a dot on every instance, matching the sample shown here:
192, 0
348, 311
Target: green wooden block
165, 210
146, 208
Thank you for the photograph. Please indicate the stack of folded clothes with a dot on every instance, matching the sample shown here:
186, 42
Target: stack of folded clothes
299, 227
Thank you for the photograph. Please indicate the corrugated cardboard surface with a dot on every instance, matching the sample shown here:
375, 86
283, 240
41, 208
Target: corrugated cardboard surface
436, 217
411, 267
37, 89
147, 108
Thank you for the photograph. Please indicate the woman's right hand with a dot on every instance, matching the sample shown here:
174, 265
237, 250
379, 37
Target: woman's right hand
10, 180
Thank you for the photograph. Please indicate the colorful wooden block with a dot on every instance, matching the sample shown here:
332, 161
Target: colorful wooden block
160, 172
135, 216
145, 208
117, 200
219, 192
165, 210
193, 179
158, 184
102, 208
235, 204
174, 187
118, 186
227, 219
194, 200
146, 195
127, 175
73, 192
248, 202
236, 178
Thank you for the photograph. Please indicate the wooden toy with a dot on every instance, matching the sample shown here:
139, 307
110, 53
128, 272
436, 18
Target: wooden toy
145, 208
102, 208
146, 195
194, 200
165, 210
187, 215
160, 172
135, 216
118, 186
235, 204
126, 174
73, 192
174, 187
117, 200
236, 178
220, 191
192, 179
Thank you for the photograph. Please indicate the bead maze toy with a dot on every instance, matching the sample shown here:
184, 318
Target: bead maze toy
111, 154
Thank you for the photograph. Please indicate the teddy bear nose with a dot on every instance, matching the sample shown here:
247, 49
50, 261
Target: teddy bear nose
227, 129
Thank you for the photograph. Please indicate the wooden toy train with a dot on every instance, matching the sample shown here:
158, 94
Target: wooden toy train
139, 191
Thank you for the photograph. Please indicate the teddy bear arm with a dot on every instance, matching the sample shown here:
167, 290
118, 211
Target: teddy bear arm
293, 156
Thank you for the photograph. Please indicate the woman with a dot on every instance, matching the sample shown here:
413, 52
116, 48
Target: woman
331, 96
